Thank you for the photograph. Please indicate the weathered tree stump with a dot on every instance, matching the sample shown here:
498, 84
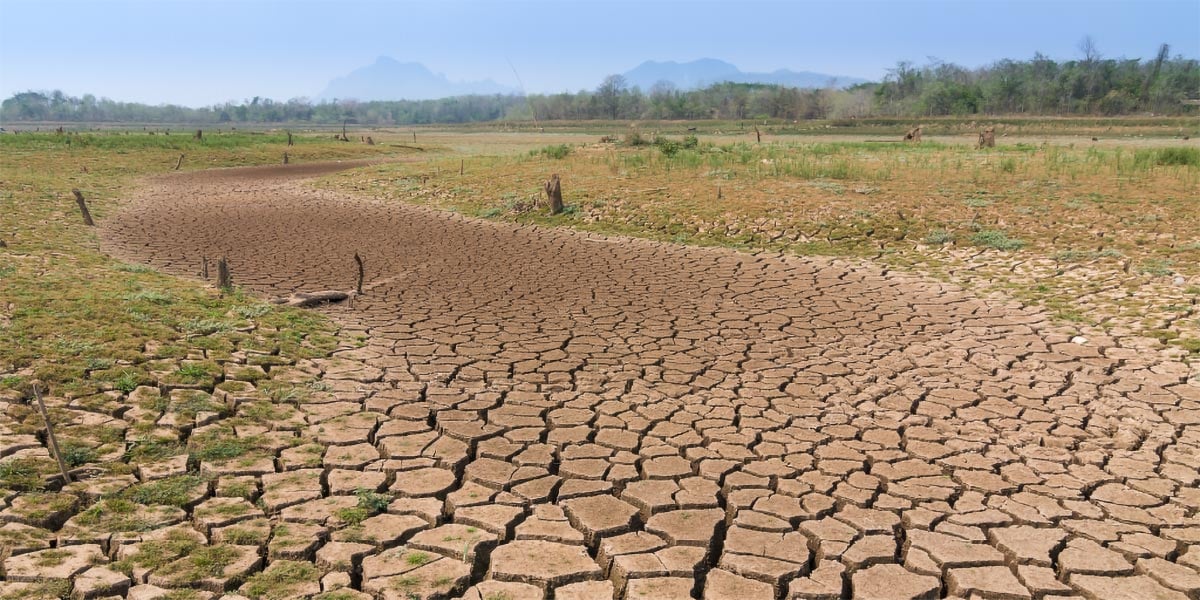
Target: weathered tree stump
987, 138
224, 282
913, 135
554, 194
83, 209
200, 134
370, 142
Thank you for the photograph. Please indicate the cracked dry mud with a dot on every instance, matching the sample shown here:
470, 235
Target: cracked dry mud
561, 415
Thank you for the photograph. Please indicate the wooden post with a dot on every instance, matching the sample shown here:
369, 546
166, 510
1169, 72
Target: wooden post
359, 261
718, 192
344, 138
179, 163
289, 138
554, 193
462, 164
757, 134
199, 134
62, 464
83, 209
414, 137
223, 281
204, 267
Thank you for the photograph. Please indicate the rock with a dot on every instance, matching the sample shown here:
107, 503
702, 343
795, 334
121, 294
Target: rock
545, 564
893, 582
1141, 587
660, 588
509, 590
1027, 545
600, 516
55, 563
1085, 557
723, 585
585, 590
996, 583
99, 581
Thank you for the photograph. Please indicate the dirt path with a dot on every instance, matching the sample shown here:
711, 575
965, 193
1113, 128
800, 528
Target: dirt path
572, 412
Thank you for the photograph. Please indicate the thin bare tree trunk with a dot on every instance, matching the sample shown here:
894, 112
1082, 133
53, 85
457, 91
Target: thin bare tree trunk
62, 464
359, 261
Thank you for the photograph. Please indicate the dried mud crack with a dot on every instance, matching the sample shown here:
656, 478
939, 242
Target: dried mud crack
535, 416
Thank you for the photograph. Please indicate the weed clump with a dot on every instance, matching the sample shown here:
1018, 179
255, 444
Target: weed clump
1170, 156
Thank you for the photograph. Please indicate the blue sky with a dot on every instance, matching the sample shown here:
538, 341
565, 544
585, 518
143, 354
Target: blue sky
202, 52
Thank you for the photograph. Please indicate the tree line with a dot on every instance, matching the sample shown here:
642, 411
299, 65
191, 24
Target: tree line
1040, 86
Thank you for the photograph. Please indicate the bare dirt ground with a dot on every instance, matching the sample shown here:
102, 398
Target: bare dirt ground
563, 415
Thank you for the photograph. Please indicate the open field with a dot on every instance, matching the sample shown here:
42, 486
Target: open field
867, 369
1104, 236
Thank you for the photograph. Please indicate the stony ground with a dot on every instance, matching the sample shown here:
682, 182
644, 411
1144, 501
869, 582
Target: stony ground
538, 413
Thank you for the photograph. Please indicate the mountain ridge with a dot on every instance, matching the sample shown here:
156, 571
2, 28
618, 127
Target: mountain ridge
390, 79
707, 71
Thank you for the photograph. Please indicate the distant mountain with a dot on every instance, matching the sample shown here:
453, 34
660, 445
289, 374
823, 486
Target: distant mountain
390, 79
707, 71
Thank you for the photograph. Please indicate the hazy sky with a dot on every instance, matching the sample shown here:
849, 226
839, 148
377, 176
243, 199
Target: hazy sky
202, 52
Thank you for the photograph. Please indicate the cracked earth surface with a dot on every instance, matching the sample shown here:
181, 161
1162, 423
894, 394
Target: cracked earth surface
561, 415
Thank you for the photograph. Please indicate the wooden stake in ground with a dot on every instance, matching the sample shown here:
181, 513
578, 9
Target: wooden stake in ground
289, 138
359, 261
987, 138
718, 192
199, 134
554, 193
204, 267
757, 134
223, 281
83, 209
913, 135
179, 163
62, 465
462, 165
344, 138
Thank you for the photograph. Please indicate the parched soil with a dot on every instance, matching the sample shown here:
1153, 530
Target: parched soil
564, 415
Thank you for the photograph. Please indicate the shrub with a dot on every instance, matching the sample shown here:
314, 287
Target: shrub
667, 146
635, 139
558, 152
992, 238
938, 237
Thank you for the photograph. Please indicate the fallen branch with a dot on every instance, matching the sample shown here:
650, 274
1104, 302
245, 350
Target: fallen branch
310, 299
